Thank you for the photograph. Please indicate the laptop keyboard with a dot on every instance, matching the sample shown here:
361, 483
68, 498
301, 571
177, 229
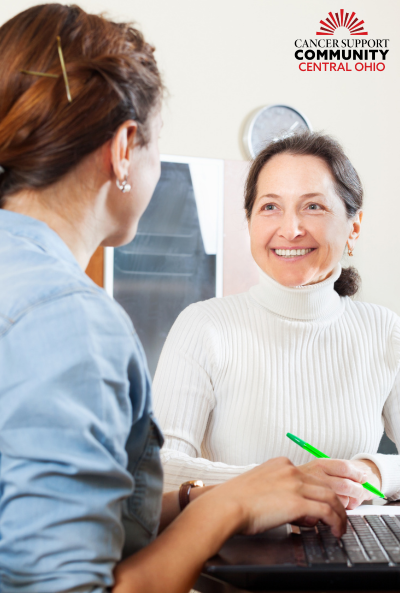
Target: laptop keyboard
369, 539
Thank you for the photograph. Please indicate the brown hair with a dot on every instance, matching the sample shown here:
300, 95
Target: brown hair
113, 77
347, 183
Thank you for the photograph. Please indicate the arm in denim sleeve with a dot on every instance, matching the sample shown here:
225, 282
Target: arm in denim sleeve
65, 417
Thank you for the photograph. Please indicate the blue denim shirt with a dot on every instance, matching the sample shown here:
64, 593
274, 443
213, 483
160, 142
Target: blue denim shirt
80, 472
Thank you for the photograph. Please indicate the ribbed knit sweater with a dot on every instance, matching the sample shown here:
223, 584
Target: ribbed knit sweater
237, 373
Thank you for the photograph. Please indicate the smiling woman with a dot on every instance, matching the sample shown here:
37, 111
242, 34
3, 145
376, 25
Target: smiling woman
317, 210
294, 353
298, 237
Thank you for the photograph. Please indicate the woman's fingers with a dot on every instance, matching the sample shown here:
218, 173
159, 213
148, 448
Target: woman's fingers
329, 507
305, 522
318, 502
344, 500
278, 492
322, 494
342, 476
323, 511
343, 468
314, 480
353, 503
346, 487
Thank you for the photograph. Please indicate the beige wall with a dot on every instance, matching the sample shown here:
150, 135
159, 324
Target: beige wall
223, 58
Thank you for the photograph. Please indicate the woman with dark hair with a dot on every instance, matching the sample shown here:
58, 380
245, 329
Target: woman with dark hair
294, 353
81, 478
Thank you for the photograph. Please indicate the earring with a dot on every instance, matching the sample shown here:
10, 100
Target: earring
124, 186
349, 251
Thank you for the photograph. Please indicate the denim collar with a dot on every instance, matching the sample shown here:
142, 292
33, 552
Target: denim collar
38, 233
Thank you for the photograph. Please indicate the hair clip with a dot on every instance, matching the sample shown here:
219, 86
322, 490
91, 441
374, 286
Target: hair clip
64, 70
39, 74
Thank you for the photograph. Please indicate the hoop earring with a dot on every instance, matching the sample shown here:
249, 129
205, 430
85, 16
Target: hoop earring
349, 251
124, 186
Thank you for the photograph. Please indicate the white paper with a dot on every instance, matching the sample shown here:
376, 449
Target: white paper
371, 509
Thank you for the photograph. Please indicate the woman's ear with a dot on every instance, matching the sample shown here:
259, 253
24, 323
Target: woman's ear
122, 145
356, 227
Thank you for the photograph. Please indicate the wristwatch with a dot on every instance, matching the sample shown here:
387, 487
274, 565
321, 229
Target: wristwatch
184, 491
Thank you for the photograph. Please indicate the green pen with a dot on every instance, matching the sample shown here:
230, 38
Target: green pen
319, 454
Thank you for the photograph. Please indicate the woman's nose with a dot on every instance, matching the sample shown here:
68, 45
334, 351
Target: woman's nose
291, 226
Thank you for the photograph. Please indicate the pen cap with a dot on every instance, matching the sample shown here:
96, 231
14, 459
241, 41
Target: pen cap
296, 439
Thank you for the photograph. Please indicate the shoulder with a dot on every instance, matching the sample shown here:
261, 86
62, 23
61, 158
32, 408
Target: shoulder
79, 328
371, 314
204, 328
200, 329
81, 356
52, 313
381, 323
37, 282
217, 311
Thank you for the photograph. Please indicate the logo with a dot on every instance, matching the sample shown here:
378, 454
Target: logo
342, 44
334, 22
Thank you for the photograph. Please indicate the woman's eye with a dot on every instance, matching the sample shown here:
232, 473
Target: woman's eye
269, 207
314, 206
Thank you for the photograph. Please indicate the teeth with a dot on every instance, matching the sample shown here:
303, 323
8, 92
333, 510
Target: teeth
301, 252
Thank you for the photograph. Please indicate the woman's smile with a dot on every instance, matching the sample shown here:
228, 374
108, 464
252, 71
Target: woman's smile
292, 254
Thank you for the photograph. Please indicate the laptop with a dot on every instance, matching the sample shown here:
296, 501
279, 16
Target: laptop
366, 558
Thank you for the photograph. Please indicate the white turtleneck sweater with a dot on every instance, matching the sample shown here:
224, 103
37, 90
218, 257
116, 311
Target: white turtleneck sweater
237, 373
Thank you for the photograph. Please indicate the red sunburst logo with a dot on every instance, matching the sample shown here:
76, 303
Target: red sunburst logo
332, 22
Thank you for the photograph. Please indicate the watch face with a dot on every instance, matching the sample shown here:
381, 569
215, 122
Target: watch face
271, 123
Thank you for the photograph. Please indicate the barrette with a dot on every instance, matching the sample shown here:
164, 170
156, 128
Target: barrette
64, 70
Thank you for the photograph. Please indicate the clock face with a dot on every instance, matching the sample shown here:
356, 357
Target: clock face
271, 123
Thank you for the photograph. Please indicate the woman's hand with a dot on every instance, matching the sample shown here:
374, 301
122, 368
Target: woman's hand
277, 492
273, 493
345, 478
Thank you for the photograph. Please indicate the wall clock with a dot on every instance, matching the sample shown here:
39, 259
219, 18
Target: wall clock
270, 123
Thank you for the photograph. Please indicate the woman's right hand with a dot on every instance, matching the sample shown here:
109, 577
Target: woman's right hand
277, 492
272, 494
344, 477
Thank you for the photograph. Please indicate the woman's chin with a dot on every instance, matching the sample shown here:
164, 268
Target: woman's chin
121, 237
292, 279
293, 282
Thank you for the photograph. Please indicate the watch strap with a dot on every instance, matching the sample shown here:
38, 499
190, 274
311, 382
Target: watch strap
184, 491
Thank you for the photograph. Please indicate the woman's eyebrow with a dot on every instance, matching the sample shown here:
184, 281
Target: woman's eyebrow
312, 194
308, 195
269, 196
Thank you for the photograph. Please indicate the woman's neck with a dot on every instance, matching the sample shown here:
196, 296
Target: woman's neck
313, 302
75, 212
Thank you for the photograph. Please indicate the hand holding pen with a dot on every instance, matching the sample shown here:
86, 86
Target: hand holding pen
348, 478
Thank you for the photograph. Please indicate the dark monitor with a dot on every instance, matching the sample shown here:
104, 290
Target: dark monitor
166, 267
